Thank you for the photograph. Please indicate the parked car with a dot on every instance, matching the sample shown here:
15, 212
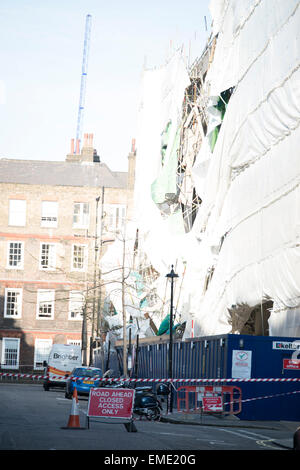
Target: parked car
83, 378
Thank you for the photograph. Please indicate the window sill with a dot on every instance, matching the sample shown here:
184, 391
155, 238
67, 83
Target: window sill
12, 317
15, 268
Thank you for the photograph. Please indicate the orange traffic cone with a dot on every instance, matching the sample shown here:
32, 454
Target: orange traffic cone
73, 422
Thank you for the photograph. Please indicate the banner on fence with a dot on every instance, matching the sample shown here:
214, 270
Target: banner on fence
241, 364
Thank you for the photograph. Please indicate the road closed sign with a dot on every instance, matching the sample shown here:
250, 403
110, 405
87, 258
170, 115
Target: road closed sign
110, 403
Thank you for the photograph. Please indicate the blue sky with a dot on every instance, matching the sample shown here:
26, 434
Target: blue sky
41, 58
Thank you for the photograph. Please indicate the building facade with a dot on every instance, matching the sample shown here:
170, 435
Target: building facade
56, 220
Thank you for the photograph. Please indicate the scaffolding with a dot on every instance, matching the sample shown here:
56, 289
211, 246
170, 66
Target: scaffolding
193, 131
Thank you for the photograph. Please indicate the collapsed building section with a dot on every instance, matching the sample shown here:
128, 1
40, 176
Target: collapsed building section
218, 174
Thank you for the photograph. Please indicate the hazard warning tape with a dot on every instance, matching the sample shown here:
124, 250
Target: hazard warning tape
23, 376
119, 379
259, 398
247, 400
267, 396
204, 380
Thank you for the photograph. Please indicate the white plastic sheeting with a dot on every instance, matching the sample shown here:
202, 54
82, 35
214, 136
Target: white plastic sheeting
122, 284
250, 191
247, 228
245, 238
162, 93
161, 102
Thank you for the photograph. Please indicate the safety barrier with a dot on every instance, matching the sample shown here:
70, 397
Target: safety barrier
225, 399
276, 395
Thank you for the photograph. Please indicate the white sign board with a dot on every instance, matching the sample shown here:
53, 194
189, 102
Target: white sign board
287, 345
241, 364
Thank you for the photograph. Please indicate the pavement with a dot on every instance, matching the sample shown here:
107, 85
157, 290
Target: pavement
214, 419
202, 419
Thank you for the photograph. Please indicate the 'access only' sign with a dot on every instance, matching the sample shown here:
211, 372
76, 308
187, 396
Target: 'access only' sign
212, 404
110, 403
291, 364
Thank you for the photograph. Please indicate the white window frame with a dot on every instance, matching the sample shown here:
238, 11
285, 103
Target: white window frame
3, 364
17, 212
21, 262
76, 302
45, 296
19, 293
49, 214
39, 357
52, 256
83, 218
85, 260
115, 217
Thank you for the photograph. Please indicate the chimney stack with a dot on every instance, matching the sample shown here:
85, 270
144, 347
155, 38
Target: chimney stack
77, 146
85, 140
85, 154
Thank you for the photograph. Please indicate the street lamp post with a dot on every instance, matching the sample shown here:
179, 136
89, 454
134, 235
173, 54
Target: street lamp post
96, 249
84, 335
171, 276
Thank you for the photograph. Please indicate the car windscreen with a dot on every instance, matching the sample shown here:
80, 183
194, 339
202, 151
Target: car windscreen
87, 372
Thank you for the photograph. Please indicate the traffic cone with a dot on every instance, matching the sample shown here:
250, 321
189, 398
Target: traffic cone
74, 422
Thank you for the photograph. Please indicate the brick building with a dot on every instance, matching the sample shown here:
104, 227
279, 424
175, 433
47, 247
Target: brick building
56, 219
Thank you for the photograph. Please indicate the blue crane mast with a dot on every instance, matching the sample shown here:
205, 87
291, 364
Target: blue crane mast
86, 47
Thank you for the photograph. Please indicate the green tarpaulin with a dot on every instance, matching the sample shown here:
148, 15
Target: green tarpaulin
166, 181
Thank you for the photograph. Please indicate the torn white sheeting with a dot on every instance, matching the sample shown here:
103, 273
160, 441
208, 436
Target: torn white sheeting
117, 273
162, 94
244, 246
200, 168
140, 327
246, 29
217, 10
251, 189
287, 320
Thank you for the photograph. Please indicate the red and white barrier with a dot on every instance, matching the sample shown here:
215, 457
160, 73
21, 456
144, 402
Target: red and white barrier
247, 400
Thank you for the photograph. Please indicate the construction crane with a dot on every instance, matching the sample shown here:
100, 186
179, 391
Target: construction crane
86, 46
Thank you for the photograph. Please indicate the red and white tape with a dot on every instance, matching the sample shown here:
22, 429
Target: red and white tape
22, 376
195, 410
118, 379
267, 396
207, 380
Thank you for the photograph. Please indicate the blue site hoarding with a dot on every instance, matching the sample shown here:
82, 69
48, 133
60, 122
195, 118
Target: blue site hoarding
268, 400
232, 356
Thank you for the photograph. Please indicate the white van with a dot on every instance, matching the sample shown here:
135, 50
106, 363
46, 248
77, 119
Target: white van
63, 358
